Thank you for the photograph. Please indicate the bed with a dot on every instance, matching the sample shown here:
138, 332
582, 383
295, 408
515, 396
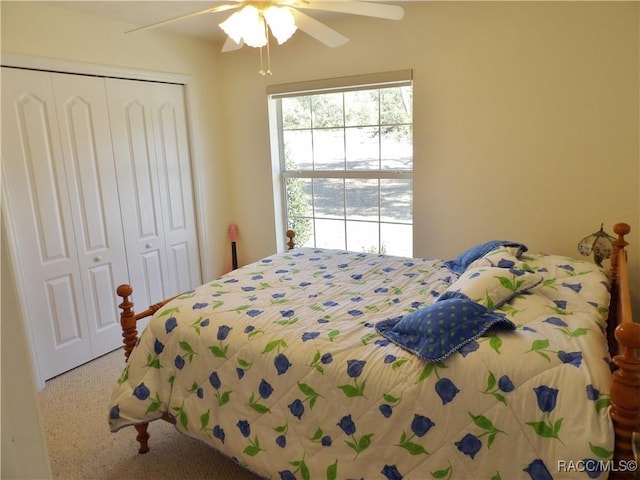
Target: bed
318, 363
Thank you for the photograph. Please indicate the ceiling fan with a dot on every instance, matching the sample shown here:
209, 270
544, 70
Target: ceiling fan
254, 20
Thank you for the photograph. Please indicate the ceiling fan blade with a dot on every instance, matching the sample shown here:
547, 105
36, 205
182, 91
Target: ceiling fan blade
318, 30
220, 8
369, 9
230, 45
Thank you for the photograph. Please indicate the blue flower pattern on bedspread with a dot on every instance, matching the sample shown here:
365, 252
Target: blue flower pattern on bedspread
281, 365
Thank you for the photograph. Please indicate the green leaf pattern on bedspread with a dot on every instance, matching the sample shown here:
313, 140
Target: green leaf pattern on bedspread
278, 365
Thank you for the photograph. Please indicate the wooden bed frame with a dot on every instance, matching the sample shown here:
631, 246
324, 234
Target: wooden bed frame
623, 336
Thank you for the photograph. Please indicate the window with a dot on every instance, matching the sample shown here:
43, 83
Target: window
345, 165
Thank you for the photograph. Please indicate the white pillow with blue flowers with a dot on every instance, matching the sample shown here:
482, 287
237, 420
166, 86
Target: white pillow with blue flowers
491, 286
502, 257
478, 252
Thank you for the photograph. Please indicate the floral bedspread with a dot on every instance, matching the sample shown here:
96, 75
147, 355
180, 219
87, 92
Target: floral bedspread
279, 365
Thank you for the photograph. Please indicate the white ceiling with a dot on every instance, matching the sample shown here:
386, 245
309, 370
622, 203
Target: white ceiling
144, 12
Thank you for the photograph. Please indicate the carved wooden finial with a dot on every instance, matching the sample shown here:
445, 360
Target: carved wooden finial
124, 291
628, 334
290, 234
621, 229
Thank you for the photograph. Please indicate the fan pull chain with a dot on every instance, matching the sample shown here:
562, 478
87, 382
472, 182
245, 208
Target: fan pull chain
262, 70
268, 57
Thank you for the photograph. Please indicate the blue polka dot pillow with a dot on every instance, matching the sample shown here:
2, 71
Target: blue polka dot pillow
434, 332
464, 312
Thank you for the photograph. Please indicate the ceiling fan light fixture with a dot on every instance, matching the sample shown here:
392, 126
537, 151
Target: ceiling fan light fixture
281, 23
246, 25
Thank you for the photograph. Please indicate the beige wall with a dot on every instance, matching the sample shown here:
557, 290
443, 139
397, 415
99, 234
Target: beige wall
24, 452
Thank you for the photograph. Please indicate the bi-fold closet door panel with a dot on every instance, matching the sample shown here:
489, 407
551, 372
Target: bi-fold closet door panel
58, 182
93, 192
154, 175
175, 177
131, 123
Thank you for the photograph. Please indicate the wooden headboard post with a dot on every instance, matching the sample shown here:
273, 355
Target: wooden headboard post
619, 245
625, 387
290, 234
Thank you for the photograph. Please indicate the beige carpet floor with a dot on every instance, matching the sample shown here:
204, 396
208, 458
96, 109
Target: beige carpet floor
74, 408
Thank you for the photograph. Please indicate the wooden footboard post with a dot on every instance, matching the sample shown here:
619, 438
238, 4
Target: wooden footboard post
127, 320
130, 339
142, 437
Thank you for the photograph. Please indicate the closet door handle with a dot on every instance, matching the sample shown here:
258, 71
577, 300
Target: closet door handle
148, 245
97, 259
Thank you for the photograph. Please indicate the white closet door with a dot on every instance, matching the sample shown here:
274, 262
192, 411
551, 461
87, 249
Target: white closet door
37, 211
176, 192
131, 119
91, 182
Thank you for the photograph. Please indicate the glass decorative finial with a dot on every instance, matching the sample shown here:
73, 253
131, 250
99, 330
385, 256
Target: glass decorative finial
599, 243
